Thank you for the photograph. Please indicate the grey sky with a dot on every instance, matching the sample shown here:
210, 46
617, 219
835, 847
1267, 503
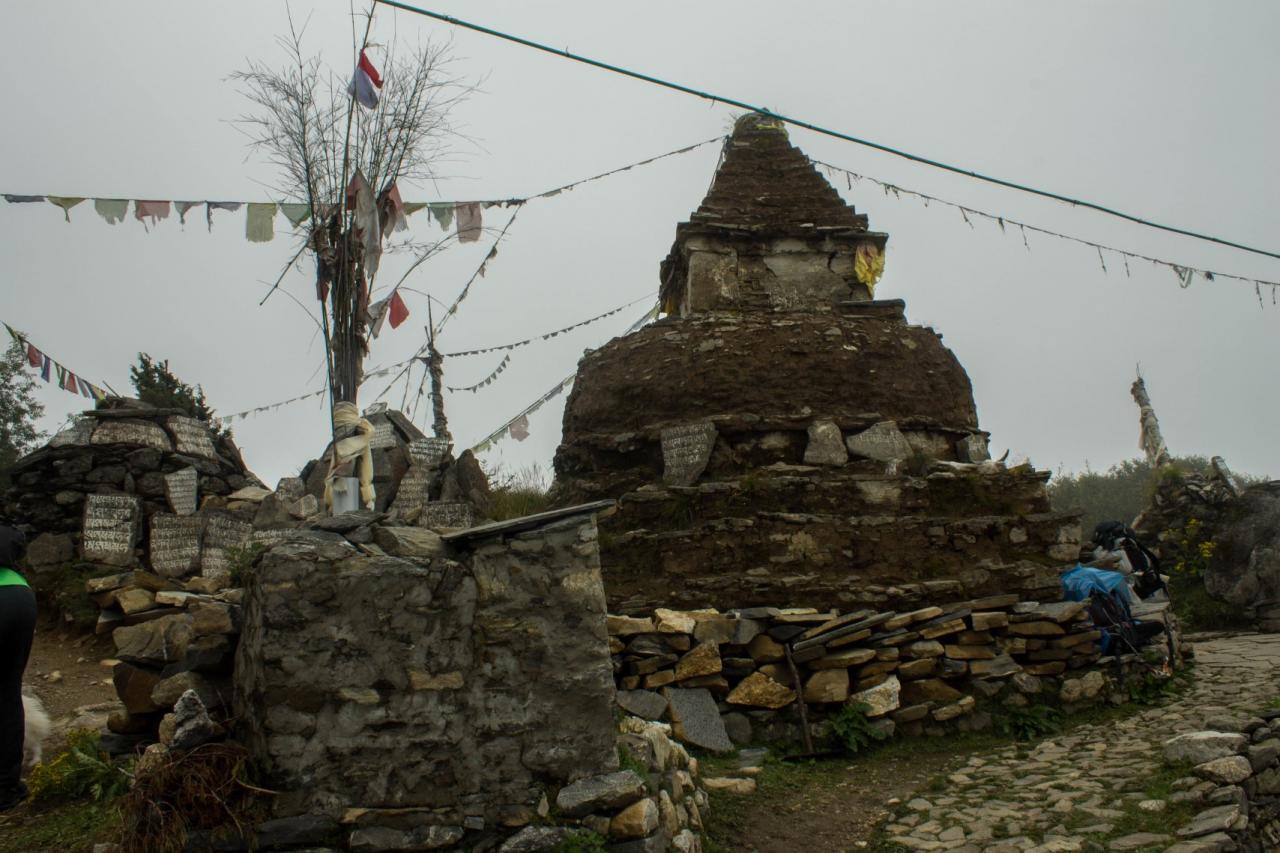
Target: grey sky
1160, 108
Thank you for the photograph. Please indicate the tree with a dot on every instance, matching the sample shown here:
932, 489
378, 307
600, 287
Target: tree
320, 141
19, 410
154, 383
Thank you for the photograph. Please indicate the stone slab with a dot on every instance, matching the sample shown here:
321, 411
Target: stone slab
174, 544
447, 514
141, 433
686, 450
645, 704
696, 720
110, 528
181, 489
192, 437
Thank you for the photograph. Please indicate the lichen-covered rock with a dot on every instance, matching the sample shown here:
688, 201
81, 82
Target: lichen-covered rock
1201, 747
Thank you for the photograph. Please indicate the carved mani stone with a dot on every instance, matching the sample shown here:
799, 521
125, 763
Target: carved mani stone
192, 437
686, 450
110, 529
122, 431
181, 488
175, 544
447, 514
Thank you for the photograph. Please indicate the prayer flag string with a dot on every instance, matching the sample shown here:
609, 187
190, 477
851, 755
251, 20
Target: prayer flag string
37, 359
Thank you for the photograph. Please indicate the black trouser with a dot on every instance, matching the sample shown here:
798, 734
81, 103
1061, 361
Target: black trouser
17, 627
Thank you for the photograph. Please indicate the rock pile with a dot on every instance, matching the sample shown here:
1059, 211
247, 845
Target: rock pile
731, 677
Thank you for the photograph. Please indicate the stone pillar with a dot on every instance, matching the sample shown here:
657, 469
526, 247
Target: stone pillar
434, 695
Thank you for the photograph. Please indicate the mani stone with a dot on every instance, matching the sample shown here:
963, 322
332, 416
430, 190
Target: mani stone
181, 489
110, 529
429, 452
686, 450
826, 445
75, 435
191, 437
384, 435
760, 691
695, 719
1200, 747
600, 793
175, 544
222, 532
413, 491
883, 442
451, 514
143, 433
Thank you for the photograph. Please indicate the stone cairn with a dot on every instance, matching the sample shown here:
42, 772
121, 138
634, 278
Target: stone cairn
736, 677
780, 437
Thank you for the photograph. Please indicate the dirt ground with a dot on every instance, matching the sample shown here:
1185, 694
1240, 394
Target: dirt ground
829, 804
71, 675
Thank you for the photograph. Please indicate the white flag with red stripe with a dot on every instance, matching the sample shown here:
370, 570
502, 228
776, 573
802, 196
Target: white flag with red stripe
365, 83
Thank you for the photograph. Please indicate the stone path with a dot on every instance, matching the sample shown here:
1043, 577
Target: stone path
1073, 792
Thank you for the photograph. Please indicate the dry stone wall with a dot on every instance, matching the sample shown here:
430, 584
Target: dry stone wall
726, 679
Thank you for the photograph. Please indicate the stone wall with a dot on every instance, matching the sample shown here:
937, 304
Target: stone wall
421, 690
1235, 782
728, 678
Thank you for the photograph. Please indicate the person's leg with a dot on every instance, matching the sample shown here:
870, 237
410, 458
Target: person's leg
17, 626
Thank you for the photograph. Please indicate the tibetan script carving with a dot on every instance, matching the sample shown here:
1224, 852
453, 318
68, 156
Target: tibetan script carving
192, 437
144, 433
180, 488
175, 544
685, 452
447, 514
110, 528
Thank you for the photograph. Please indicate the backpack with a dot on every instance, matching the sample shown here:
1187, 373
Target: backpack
1110, 615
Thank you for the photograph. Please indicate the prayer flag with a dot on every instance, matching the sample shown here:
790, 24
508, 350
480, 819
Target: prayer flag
34, 358
295, 213
66, 202
45, 368
153, 210
469, 221
112, 210
259, 223
22, 199
520, 428
183, 208
365, 83
211, 206
399, 311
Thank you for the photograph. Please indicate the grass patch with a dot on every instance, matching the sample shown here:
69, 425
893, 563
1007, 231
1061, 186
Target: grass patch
517, 494
79, 771
1158, 787
66, 827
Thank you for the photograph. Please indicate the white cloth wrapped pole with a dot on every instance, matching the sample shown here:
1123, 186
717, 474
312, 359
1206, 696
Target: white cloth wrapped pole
352, 448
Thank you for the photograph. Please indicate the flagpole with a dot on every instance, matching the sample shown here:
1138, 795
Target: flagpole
440, 426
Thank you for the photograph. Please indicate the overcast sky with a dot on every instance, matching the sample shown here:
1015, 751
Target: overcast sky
1165, 109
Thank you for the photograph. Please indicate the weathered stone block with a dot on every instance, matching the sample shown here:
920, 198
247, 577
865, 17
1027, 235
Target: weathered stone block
600, 793
826, 445
696, 720
760, 691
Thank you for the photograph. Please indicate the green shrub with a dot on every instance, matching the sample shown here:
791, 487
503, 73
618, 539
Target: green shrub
853, 731
241, 561
81, 770
1028, 723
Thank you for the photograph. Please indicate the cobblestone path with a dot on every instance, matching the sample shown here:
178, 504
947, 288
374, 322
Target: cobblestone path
1073, 792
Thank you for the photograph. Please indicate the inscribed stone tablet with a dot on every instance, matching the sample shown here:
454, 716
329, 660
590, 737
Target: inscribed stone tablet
76, 434
685, 452
110, 528
447, 514
413, 490
384, 435
428, 451
143, 433
192, 437
181, 488
267, 538
221, 533
175, 544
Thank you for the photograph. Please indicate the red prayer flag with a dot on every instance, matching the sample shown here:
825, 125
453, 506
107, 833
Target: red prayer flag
70, 383
33, 356
399, 311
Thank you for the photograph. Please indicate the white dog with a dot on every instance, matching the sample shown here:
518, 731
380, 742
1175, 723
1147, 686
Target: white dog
37, 729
